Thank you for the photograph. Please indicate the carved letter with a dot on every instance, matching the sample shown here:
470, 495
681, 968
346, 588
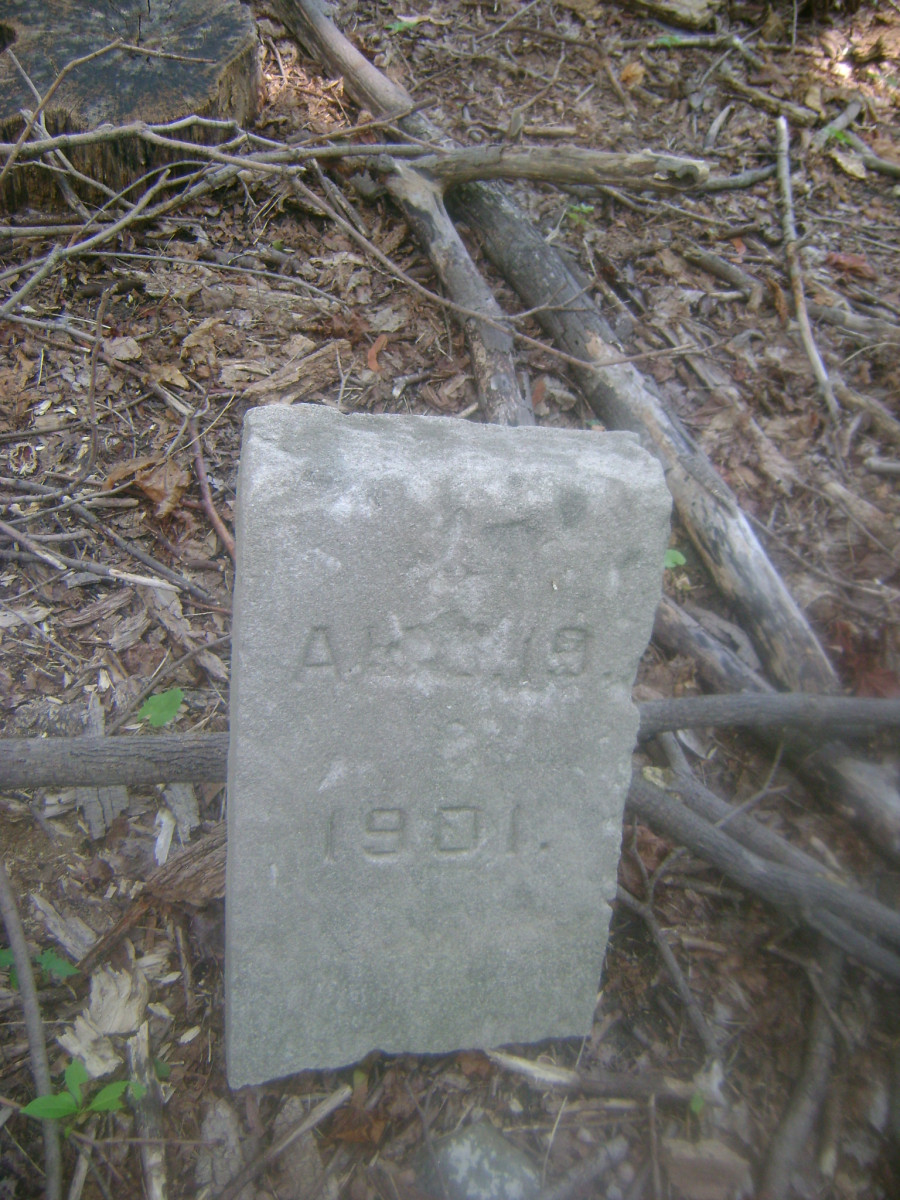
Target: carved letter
317, 653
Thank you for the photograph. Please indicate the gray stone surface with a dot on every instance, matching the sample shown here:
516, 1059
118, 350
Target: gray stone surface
436, 630
478, 1163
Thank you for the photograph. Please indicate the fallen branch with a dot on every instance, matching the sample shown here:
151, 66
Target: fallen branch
795, 272
564, 165
141, 760
866, 790
807, 899
617, 393
771, 710
792, 1132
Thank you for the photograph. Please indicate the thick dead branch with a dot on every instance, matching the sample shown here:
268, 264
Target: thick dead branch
867, 791
490, 345
565, 165
102, 761
766, 844
775, 710
793, 1130
194, 757
806, 899
619, 395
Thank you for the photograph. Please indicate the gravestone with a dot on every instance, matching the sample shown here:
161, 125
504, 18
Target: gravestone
436, 630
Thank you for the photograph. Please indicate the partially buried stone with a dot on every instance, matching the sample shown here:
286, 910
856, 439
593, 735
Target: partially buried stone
436, 630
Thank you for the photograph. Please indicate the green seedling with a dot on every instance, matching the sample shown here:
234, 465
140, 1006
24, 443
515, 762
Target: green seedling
405, 24
162, 708
72, 1104
673, 559
53, 968
578, 213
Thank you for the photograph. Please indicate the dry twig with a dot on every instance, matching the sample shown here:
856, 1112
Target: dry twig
795, 272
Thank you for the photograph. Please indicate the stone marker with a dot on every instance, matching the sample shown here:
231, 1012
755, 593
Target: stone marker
436, 630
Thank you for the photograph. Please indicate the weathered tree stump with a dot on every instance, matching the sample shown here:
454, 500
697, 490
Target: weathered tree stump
178, 58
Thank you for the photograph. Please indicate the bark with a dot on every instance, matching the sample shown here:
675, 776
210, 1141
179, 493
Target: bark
805, 899
209, 69
104, 761
491, 346
145, 760
771, 711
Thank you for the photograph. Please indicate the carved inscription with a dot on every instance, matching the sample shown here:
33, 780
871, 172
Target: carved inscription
455, 831
449, 647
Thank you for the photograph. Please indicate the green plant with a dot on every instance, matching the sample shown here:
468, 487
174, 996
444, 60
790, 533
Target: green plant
405, 24
578, 213
673, 559
162, 708
72, 1104
48, 962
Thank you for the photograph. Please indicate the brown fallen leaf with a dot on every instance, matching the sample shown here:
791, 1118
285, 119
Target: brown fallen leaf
164, 484
852, 264
374, 350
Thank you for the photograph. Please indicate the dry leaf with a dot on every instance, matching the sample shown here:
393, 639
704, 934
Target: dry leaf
849, 161
122, 349
131, 467
164, 484
168, 373
780, 301
852, 264
632, 75
374, 350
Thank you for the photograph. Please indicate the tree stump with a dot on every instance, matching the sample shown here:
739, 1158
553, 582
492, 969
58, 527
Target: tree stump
179, 58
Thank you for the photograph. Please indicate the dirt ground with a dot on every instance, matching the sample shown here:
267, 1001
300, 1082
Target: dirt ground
218, 306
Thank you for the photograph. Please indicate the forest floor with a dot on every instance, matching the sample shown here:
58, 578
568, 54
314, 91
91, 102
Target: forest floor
218, 306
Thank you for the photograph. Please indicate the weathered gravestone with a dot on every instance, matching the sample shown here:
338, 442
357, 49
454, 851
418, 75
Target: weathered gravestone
437, 626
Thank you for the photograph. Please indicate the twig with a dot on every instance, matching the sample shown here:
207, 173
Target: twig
206, 499
796, 1124
847, 117
795, 273
580, 1178
40, 1067
62, 561
696, 1017
179, 581
60, 253
329, 1105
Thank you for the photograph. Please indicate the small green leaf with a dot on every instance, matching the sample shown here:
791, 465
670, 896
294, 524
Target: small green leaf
136, 1090
6, 959
109, 1098
162, 708
50, 962
674, 558
667, 41
697, 1104
52, 1108
403, 26
161, 1069
76, 1077
278, 245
